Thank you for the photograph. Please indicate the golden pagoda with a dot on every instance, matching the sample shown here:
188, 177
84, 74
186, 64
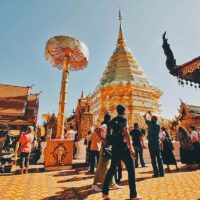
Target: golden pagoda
124, 82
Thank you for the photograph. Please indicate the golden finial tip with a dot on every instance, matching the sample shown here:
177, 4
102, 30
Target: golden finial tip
120, 15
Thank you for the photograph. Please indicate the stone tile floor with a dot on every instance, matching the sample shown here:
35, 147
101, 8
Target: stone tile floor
76, 184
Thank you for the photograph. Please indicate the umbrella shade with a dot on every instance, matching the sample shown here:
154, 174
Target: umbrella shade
59, 47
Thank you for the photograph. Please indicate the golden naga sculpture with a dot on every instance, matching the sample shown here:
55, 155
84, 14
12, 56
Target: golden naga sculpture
187, 72
65, 53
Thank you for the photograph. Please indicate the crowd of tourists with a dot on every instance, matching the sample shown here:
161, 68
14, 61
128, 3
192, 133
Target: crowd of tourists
109, 145
112, 148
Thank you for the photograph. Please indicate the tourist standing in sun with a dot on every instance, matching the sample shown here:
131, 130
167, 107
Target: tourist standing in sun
94, 150
104, 161
121, 150
196, 145
138, 144
154, 145
25, 141
167, 149
185, 147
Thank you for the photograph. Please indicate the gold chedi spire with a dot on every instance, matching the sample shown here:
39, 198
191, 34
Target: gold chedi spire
121, 41
124, 82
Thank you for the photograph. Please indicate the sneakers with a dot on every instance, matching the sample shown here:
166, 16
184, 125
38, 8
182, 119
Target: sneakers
115, 187
96, 188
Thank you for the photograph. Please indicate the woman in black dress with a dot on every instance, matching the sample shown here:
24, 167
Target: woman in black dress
185, 147
167, 149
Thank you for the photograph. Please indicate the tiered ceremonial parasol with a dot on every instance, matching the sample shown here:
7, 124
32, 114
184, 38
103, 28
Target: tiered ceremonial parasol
65, 53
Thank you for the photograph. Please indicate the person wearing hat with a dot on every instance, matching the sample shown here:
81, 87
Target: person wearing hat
154, 144
121, 150
25, 141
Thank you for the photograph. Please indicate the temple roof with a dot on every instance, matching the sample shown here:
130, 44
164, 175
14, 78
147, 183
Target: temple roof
12, 91
187, 111
13, 99
17, 105
123, 66
195, 110
189, 71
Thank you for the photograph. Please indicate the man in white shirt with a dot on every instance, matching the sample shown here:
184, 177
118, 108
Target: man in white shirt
70, 135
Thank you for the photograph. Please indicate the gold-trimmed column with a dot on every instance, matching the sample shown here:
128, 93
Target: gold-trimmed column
62, 102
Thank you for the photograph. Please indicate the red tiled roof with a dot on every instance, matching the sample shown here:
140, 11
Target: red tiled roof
32, 100
17, 105
13, 92
13, 99
11, 107
31, 111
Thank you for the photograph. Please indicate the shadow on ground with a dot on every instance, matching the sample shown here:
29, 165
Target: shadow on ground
73, 193
77, 193
75, 179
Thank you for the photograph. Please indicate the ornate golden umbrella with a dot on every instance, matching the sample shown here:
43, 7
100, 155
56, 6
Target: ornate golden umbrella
65, 53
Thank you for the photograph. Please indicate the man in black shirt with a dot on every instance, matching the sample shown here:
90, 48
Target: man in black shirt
138, 144
154, 145
121, 150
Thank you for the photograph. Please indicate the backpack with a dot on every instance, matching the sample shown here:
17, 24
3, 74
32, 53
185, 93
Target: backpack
116, 137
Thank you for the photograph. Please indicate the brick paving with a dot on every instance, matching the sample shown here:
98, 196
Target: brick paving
76, 184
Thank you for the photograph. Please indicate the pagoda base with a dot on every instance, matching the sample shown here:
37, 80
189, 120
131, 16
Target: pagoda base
58, 155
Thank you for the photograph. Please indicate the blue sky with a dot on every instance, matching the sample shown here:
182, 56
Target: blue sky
25, 26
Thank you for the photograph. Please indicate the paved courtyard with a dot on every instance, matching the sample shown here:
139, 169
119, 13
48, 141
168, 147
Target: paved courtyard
76, 184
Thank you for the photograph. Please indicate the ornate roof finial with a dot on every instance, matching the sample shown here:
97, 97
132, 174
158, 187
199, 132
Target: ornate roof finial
121, 41
82, 95
120, 16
